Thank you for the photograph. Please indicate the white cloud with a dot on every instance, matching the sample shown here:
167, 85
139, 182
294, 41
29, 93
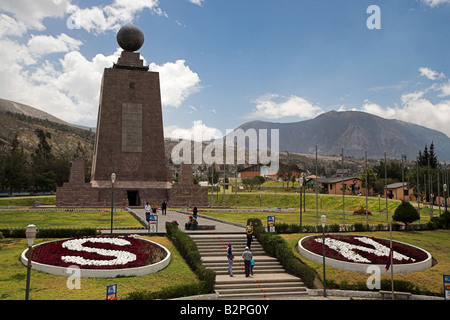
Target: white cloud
431, 74
445, 89
197, 2
11, 27
272, 106
435, 3
416, 109
198, 132
98, 19
177, 80
32, 13
43, 44
68, 88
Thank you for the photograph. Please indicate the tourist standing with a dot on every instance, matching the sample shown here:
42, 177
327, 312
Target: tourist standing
164, 208
230, 257
194, 212
147, 211
249, 232
247, 256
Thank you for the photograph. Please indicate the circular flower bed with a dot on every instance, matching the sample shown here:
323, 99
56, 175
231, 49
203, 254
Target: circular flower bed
356, 253
100, 256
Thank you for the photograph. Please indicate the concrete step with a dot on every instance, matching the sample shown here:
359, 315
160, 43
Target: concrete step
241, 285
269, 279
262, 295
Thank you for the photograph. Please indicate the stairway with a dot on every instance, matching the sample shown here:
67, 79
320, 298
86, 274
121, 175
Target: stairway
270, 281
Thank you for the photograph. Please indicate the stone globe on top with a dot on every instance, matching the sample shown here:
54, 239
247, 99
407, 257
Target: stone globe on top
130, 38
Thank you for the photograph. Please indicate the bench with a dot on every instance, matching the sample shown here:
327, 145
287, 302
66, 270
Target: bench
405, 295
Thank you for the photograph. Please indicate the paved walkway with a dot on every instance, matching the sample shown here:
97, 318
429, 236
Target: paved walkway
182, 217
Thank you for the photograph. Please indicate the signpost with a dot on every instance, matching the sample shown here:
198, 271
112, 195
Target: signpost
111, 290
447, 286
271, 223
153, 223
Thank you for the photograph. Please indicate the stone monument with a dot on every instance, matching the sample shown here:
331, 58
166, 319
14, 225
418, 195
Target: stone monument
130, 138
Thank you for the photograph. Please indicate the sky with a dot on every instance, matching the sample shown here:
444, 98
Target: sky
224, 63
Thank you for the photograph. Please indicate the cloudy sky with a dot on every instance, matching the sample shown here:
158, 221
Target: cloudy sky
223, 63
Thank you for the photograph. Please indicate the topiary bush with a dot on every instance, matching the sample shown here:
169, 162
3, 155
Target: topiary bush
406, 213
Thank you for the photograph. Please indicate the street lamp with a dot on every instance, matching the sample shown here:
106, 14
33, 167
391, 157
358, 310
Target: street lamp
445, 196
323, 220
301, 195
30, 233
113, 179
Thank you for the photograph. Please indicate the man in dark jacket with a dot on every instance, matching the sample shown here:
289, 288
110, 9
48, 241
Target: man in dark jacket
247, 256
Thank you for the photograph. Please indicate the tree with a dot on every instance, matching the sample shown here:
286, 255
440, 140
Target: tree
428, 157
43, 175
371, 179
14, 168
406, 213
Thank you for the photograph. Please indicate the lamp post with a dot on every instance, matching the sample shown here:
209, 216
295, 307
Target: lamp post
31, 235
323, 220
301, 195
113, 179
445, 196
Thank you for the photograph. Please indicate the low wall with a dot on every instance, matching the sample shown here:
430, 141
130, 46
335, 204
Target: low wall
100, 273
362, 267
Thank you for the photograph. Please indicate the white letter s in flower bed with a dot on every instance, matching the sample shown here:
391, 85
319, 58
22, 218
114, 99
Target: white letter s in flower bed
121, 257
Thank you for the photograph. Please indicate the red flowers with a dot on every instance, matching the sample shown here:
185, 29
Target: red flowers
361, 249
102, 252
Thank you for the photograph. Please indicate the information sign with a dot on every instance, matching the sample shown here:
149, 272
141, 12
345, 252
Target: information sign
271, 223
153, 224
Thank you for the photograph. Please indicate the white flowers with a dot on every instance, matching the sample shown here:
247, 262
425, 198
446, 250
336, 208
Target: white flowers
121, 257
347, 249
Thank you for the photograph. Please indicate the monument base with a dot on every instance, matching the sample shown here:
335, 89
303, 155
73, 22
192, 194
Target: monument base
78, 193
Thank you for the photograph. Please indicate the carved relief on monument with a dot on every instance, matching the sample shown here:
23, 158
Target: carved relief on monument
132, 127
132, 163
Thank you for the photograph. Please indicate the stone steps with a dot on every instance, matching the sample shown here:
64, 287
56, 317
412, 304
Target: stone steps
270, 281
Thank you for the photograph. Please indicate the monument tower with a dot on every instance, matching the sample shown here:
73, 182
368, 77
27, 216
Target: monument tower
130, 137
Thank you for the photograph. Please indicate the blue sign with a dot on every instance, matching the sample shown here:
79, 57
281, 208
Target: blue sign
271, 223
447, 287
111, 290
153, 224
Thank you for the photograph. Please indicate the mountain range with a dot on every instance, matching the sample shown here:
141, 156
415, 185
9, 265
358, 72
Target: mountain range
356, 132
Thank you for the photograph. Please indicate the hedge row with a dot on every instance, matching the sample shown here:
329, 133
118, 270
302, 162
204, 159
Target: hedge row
189, 251
50, 232
277, 247
385, 284
435, 223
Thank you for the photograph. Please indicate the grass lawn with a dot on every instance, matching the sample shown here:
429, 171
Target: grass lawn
292, 200
51, 287
437, 243
308, 217
42, 219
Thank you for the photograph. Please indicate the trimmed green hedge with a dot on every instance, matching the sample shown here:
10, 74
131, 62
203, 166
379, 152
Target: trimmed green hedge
50, 232
277, 247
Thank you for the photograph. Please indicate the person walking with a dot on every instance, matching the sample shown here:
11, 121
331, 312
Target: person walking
249, 232
194, 212
252, 264
247, 256
230, 258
